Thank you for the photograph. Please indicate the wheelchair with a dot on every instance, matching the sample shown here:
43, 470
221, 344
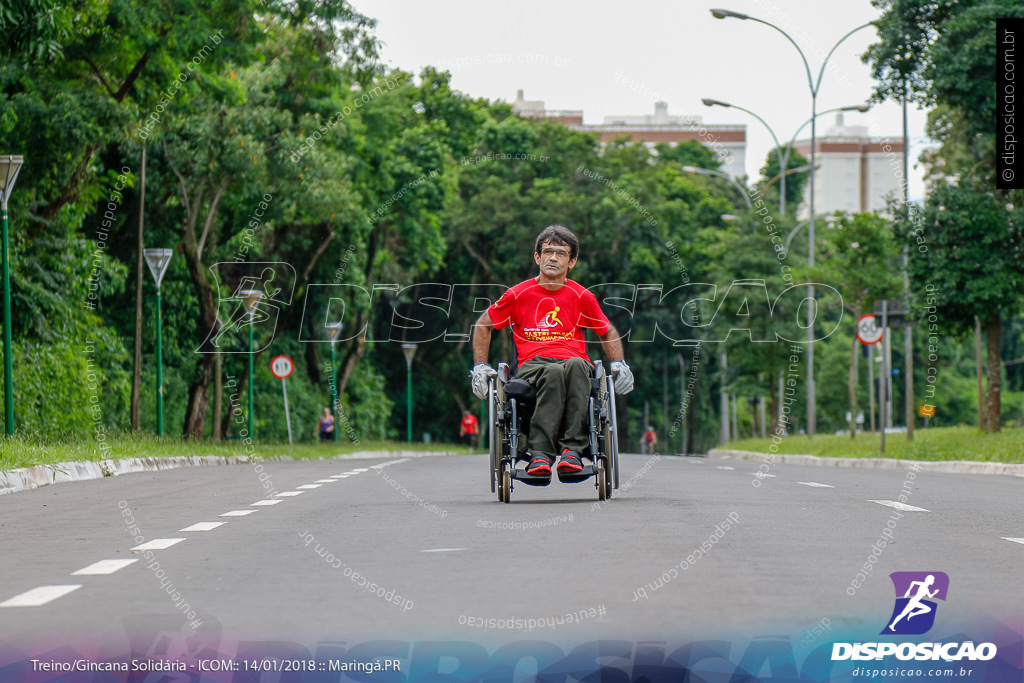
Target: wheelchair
510, 405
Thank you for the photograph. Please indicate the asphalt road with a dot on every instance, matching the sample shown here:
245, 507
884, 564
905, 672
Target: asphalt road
454, 563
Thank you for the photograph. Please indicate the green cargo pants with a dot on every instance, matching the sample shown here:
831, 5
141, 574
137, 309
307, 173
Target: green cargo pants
560, 415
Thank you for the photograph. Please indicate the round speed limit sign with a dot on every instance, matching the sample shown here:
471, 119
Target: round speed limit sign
867, 331
282, 367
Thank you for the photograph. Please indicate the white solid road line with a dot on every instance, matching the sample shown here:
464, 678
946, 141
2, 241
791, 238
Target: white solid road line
1015, 540
309, 486
203, 526
39, 596
103, 567
289, 494
237, 513
816, 484
159, 544
899, 506
267, 502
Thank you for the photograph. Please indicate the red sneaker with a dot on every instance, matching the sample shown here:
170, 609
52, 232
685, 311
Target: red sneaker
570, 462
539, 466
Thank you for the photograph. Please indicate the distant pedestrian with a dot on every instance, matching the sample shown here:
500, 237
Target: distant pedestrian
468, 428
325, 427
648, 441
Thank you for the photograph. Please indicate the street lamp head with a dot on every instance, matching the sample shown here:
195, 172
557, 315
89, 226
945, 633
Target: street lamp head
333, 330
857, 107
708, 102
157, 260
10, 165
250, 299
692, 169
409, 350
725, 14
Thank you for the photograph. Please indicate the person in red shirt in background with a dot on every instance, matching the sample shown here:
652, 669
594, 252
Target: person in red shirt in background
548, 314
468, 427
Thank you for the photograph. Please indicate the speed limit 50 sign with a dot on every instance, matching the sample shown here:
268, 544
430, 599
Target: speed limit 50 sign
867, 330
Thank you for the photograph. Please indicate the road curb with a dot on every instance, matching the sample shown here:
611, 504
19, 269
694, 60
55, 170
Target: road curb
25, 478
947, 466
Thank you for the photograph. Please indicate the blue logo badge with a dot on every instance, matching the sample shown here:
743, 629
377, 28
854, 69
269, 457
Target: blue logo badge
914, 612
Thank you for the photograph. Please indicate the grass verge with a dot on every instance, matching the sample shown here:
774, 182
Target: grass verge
940, 443
21, 451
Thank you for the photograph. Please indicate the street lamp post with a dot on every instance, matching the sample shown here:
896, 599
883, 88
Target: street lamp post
157, 260
251, 301
783, 153
718, 174
815, 86
10, 166
409, 350
333, 330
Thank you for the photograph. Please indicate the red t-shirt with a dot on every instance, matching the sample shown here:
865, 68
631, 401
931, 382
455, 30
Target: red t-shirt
469, 424
549, 323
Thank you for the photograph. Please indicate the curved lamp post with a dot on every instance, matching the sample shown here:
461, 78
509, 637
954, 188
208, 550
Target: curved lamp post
158, 260
719, 174
815, 86
251, 301
10, 166
333, 330
782, 152
409, 350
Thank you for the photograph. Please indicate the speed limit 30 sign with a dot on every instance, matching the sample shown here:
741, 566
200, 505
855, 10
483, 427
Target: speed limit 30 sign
867, 330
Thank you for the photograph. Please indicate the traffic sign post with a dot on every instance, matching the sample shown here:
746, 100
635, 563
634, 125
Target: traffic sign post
282, 368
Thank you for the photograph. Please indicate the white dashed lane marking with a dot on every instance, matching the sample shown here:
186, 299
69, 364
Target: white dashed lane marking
899, 506
816, 485
290, 494
267, 502
309, 486
39, 596
1014, 540
159, 544
103, 567
761, 475
442, 550
238, 513
721, 467
326, 481
203, 526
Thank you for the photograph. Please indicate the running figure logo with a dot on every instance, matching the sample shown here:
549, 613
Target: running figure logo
914, 612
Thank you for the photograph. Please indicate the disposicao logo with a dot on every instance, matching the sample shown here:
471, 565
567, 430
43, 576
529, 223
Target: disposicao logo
913, 615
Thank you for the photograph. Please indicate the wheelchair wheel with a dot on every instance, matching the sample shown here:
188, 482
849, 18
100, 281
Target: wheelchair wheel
602, 481
492, 445
505, 489
612, 438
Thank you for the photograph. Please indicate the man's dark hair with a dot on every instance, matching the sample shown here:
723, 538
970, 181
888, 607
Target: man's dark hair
558, 234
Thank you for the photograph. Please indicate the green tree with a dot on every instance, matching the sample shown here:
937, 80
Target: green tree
966, 247
859, 257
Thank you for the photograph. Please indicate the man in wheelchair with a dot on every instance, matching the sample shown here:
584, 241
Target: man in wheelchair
548, 314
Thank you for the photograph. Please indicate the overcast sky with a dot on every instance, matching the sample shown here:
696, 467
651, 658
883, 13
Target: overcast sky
599, 56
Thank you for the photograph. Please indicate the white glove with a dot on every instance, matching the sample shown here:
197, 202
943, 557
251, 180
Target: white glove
481, 373
622, 376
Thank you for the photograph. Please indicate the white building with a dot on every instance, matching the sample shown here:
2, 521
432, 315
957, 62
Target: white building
728, 141
856, 173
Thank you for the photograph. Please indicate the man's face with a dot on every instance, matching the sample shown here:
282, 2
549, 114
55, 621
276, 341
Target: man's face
554, 260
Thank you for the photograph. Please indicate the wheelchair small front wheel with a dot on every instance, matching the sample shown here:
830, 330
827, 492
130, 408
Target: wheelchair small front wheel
505, 490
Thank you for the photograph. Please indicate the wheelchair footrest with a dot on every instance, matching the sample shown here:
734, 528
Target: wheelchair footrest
586, 473
530, 479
